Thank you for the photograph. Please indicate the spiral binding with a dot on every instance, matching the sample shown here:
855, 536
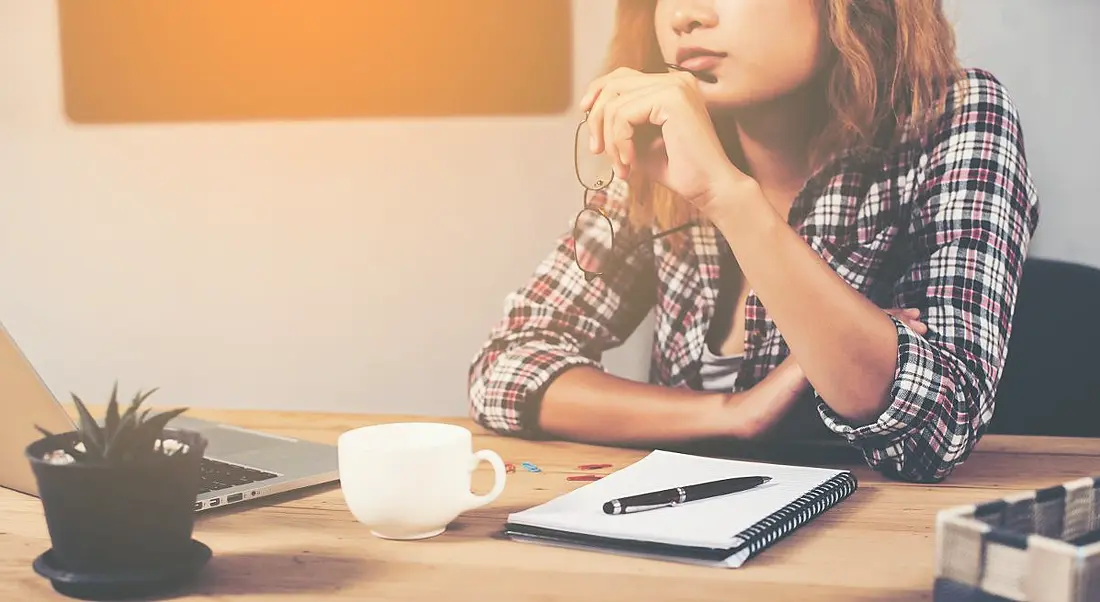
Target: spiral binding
815, 501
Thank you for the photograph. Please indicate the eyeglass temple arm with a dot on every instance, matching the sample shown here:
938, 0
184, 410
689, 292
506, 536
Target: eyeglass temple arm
618, 257
653, 237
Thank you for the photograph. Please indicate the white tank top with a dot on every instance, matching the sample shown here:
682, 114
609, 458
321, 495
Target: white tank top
719, 372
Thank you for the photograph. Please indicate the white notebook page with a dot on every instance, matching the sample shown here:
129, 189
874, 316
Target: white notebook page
712, 523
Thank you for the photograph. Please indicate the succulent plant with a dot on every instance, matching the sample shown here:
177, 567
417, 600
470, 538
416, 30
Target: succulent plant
120, 438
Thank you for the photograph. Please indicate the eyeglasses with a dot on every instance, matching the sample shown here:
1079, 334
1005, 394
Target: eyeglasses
594, 247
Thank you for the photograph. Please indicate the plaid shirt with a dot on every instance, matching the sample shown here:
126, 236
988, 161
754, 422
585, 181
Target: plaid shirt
940, 222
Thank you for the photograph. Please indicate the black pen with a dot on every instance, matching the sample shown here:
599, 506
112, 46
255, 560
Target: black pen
703, 75
681, 495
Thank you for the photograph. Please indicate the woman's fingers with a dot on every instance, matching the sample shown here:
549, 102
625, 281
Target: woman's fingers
608, 88
919, 327
597, 85
910, 317
621, 121
608, 95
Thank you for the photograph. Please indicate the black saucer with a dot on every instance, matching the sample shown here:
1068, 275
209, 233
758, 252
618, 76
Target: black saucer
122, 585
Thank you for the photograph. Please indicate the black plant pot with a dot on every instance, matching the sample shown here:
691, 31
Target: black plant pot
127, 517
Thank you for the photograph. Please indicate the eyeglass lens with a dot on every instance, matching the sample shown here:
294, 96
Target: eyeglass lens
593, 238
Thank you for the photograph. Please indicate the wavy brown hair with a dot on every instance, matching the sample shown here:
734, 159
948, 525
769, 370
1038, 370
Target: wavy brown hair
888, 67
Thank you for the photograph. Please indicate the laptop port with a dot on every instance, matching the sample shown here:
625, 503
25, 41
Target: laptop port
215, 502
236, 497
198, 506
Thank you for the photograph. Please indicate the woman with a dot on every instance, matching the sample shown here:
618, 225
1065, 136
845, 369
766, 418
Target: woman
850, 211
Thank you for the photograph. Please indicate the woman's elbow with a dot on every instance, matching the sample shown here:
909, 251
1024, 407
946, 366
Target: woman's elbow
861, 405
942, 442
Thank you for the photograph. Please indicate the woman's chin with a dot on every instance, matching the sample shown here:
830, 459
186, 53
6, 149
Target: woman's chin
728, 96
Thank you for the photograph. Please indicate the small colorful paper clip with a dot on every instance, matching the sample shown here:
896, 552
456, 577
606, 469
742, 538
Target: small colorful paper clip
593, 466
509, 467
529, 467
584, 477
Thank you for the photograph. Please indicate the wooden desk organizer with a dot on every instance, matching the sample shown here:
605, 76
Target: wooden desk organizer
1038, 546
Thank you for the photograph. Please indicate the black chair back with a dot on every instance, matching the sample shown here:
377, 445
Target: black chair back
1051, 379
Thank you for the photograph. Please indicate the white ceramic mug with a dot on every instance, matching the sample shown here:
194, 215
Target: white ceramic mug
409, 480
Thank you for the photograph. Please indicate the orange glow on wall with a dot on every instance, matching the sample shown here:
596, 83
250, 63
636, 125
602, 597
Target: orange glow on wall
215, 60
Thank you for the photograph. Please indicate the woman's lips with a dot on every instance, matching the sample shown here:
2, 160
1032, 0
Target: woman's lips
702, 62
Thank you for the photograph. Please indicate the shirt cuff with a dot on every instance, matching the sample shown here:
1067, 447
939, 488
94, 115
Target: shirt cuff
509, 400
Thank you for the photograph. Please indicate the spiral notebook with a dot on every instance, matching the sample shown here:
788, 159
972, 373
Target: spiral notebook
723, 531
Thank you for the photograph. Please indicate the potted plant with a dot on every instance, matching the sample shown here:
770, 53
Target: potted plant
119, 495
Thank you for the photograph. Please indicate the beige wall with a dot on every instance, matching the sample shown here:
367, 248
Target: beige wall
340, 265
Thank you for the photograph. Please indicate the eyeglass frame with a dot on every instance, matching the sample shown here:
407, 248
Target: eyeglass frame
589, 275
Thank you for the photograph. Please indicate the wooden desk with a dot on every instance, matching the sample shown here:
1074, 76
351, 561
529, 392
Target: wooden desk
878, 545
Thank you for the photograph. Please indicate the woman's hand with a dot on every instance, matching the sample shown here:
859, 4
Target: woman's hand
751, 414
909, 316
658, 122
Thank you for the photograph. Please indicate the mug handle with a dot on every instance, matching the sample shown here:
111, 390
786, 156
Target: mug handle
477, 501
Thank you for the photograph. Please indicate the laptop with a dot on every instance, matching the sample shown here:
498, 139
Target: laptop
239, 464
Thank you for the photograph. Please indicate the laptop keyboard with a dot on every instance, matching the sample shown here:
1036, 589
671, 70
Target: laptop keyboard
223, 475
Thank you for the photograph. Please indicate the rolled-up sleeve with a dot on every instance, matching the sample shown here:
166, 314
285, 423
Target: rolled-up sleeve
555, 321
973, 216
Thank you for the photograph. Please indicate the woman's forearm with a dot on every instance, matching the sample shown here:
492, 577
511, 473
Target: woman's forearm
587, 404
845, 345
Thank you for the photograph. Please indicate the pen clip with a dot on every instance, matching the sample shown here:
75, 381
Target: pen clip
633, 509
